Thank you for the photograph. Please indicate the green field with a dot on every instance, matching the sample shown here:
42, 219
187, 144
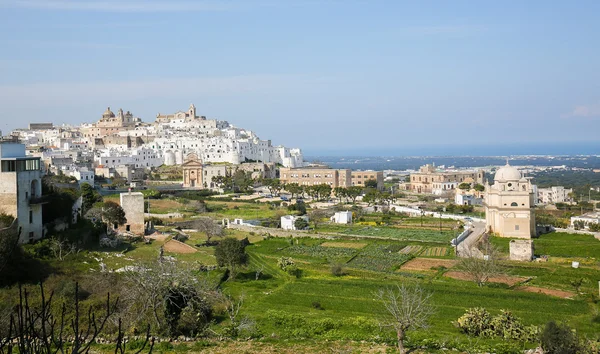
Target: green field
403, 234
567, 245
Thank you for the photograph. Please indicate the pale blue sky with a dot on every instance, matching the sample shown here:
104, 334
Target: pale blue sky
312, 74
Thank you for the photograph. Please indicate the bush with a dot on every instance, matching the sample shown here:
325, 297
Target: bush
337, 269
479, 322
559, 339
317, 305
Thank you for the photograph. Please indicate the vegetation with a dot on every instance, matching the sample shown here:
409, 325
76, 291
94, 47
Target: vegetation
231, 254
406, 308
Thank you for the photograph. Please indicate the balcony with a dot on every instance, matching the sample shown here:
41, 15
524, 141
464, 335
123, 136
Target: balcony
38, 200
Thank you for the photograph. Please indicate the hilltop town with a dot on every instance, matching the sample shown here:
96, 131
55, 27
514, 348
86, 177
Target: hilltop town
212, 237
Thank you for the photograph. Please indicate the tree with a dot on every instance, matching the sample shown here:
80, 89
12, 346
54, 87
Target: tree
464, 186
300, 224
406, 309
480, 270
231, 253
339, 192
371, 183
209, 227
559, 339
89, 197
317, 215
164, 293
9, 239
479, 187
273, 185
353, 193
113, 214
324, 191
293, 189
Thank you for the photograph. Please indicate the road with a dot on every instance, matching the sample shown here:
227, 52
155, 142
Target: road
468, 245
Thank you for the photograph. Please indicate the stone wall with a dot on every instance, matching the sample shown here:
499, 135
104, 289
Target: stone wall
521, 250
133, 205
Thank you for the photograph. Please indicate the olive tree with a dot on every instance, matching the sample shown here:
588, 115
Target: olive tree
406, 308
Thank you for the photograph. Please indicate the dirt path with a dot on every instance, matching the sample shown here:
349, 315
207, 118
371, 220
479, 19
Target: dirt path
551, 292
178, 247
504, 279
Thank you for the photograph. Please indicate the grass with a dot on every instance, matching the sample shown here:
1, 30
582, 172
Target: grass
568, 245
404, 234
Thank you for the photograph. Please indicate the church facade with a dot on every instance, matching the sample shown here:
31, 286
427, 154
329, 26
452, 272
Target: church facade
509, 204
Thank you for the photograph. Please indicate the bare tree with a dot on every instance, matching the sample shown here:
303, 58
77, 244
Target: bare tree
209, 227
317, 216
161, 291
406, 309
238, 324
61, 248
43, 328
480, 266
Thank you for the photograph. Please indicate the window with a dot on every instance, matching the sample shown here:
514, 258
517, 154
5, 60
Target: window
31, 216
31, 236
516, 227
513, 204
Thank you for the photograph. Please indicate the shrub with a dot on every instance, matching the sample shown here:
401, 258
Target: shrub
317, 305
559, 339
479, 322
337, 269
475, 322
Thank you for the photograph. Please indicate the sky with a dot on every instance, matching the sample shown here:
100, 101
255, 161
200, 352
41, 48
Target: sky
325, 76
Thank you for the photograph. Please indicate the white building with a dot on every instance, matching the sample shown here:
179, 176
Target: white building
589, 218
509, 204
342, 217
83, 175
443, 188
288, 221
21, 189
552, 195
142, 157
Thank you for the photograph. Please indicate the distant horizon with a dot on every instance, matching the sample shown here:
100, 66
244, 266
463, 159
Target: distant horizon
491, 150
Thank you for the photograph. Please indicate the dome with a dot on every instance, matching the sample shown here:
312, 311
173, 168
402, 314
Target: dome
108, 113
507, 173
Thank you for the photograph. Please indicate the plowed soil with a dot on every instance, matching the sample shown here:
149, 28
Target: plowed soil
178, 247
427, 263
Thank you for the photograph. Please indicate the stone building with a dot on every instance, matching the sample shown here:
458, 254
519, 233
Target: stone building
192, 172
509, 204
21, 190
133, 206
429, 179
312, 176
360, 177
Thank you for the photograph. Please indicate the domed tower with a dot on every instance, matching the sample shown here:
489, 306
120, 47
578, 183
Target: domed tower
509, 204
108, 114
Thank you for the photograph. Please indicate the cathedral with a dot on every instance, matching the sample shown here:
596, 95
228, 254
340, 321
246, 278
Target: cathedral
509, 204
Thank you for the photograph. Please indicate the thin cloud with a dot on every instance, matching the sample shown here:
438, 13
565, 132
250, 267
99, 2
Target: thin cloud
122, 5
584, 111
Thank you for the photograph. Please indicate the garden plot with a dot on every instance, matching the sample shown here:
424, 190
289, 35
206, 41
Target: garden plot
316, 251
551, 292
380, 258
412, 249
435, 252
175, 246
354, 245
426, 264
504, 279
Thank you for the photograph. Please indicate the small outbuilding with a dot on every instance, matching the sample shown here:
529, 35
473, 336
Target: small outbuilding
342, 217
288, 222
